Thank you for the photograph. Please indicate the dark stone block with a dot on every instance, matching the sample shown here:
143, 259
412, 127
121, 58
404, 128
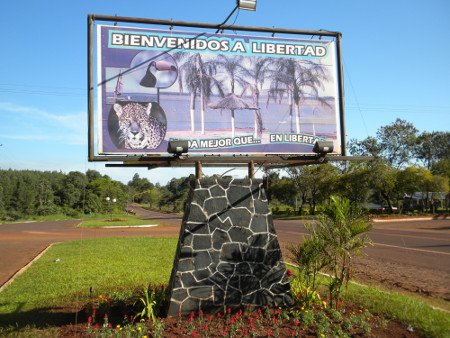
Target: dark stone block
200, 275
201, 292
200, 196
202, 259
288, 300
196, 214
259, 298
241, 182
260, 207
273, 243
179, 294
258, 241
274, 276
244, 268
254, 255
219, 237
226, 269
280, 288
215, 258
239, 197
217, 191
272, 257
219, 279
216, 205
189, 305
215, 222
202, 242
231, 252
225, 182
185, 252
233, 297
186, 238
187, 280
206, 182
233, 282
198, 228
186, 264
239, 234
259, 224
240, 217
219, 295
248, 284
260, 270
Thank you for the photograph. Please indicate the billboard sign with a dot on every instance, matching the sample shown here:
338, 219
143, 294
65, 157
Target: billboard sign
224, 93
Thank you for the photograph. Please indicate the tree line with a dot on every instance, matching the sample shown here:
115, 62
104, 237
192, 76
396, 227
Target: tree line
407, 171
403, 162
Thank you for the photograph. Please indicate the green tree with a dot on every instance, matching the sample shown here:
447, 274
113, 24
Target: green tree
342, 228
354, 183
432, 147
395, 143
317, 182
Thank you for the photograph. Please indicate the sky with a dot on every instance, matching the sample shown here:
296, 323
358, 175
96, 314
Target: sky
396, 57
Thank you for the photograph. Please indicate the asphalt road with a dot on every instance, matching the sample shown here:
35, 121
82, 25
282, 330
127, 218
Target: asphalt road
417, 247
423, 243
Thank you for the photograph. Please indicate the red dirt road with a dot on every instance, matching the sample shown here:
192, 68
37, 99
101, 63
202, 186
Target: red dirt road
408, 255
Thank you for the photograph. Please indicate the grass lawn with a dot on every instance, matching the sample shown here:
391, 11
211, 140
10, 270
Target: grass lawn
67, 271
60, 283
113, 220
408, 310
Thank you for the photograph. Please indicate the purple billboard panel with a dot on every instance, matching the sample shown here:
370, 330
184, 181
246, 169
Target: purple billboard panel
225, 94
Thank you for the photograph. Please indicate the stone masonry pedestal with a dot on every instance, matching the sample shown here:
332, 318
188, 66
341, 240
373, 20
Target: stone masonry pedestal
228, 253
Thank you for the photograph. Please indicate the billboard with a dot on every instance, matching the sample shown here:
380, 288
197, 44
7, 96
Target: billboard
224, 93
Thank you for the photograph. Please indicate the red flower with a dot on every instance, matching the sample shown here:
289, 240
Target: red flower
89, 319
191, 316
289, 273
229, 310
94, 312
200, 313
269, 332
296, 322
194, 334
219, 315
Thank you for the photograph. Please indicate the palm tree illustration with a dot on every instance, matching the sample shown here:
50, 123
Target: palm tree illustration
199, 77
257, 74
234, 70
298, 79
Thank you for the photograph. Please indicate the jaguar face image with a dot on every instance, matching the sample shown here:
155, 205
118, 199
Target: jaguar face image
140, 125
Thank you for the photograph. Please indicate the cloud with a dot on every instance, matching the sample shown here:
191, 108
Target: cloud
40, 125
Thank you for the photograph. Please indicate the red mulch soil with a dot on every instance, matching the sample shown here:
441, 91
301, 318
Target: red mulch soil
267, 326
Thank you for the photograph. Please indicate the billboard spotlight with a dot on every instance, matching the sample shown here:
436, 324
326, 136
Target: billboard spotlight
323, 147
177, 147
249, 5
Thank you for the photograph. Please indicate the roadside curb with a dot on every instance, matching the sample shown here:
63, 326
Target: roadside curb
130, 226
415, 219
22, 270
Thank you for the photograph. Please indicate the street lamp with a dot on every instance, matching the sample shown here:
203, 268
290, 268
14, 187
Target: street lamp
110, 200
249, 5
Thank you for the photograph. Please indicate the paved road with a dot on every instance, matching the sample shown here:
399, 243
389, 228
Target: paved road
424, 243
414, 247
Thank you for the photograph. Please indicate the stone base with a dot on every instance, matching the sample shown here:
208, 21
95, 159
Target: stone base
228, 253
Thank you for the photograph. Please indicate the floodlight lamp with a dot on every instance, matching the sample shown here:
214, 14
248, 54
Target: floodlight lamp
323, 147
178, 147
248, 5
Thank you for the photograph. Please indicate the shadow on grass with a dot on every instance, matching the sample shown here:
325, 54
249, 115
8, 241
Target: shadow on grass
41, 318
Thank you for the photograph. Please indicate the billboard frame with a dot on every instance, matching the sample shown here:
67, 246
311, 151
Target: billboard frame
152, 161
